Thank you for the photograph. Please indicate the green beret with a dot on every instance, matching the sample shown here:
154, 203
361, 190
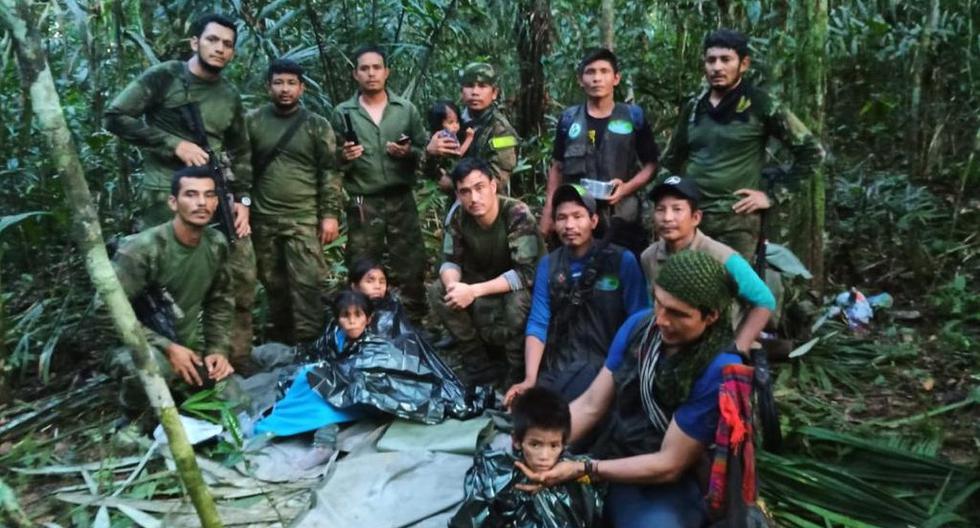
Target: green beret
697, 279
478, 72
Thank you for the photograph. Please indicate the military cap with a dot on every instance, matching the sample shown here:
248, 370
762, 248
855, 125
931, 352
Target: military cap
478, 72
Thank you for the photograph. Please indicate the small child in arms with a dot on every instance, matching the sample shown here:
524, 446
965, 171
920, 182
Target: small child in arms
542, 424
444, 120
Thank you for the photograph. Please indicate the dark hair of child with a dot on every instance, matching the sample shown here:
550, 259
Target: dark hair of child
438, 112
352, 299
361, 267
541, 408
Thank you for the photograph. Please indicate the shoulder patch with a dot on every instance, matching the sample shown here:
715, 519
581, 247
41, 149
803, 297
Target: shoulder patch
620, 126
743, 104
502, 142
607, 282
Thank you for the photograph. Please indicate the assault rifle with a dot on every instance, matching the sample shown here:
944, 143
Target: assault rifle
226, 200
156, 309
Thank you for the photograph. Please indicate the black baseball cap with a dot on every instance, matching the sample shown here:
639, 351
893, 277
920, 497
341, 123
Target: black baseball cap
571, 192
676, 186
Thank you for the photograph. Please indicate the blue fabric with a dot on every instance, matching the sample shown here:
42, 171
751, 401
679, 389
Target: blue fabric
302, 410
751, 288
698, 415
671, 505
636, 296
618, 347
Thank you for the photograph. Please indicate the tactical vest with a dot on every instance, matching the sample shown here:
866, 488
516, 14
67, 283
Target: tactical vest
629, 430
614, 158
586, 314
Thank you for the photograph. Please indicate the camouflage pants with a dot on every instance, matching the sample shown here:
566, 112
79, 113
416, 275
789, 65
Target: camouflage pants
490, 335
292, 269
153, 210
389, 224
739, 232
132, 397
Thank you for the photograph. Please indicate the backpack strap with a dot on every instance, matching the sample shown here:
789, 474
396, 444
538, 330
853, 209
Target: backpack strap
263, 162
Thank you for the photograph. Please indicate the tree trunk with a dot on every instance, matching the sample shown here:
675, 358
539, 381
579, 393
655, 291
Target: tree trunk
607, 17
534, 34
16, 17
809, 214
917, 146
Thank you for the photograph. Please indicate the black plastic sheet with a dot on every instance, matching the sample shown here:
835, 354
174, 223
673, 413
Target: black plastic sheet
492, 500
394, 370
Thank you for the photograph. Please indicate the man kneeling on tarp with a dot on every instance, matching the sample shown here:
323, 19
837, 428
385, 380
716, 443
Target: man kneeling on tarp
659, 387
176, 276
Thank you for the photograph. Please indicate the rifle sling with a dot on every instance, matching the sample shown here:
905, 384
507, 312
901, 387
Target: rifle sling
263, 163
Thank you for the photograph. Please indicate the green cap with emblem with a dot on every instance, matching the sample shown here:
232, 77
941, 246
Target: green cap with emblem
475, 72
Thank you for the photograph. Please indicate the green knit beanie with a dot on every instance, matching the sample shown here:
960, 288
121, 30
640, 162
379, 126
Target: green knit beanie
696, 279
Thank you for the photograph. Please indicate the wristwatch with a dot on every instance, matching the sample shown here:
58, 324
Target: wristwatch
246, 201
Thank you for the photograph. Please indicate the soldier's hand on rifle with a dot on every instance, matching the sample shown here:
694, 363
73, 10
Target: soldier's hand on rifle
242, 227
459, 295
329, 230
352, 151
191, 154
184, 361
218, 367
751, 202
441, 145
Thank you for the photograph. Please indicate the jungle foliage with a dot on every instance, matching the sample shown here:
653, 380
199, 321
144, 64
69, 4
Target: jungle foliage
892, 88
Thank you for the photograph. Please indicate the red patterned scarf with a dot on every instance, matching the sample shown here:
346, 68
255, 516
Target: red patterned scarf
734, 449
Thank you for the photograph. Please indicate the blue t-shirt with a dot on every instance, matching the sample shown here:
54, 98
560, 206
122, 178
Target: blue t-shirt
636, 296
698, 415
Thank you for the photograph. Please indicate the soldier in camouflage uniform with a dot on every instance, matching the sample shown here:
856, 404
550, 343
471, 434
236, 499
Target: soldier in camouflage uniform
148, 114
188, 260
490, 251
720, 142
495, 140
297, 204
379, 175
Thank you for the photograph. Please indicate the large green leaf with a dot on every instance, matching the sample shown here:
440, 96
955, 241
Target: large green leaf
11, 220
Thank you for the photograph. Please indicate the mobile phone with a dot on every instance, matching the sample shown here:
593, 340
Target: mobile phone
403, 140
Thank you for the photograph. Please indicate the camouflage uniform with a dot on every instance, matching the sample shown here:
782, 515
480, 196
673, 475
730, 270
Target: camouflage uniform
382, 216
198, 281
490, 331
495, 140
723, 149
297, 188
147, 114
